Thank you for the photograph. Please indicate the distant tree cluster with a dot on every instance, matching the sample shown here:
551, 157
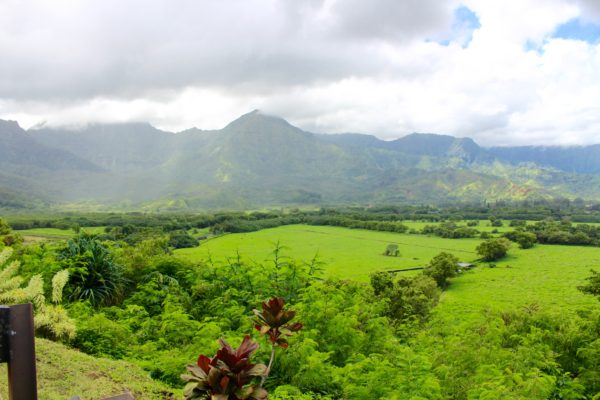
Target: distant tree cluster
450, 230
565, 232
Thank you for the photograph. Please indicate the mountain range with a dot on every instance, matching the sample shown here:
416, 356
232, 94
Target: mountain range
261, 160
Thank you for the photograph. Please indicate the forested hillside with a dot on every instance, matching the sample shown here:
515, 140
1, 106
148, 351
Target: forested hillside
260, 160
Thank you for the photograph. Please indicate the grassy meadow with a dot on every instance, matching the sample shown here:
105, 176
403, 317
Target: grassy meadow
347, 253
546, 275
40, 234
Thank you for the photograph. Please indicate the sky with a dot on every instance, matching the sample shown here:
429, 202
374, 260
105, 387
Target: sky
511, 72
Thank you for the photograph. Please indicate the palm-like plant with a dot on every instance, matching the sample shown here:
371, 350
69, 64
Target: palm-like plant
94, 275
226, 376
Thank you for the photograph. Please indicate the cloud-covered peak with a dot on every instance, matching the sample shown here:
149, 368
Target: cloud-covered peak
510, 72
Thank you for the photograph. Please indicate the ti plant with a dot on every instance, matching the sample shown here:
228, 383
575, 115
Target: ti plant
274, 322
226, 376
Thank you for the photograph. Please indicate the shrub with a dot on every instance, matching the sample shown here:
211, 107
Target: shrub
593, 287
441, 268
392, 250
99, 335
181, 240
526, 240
493, 249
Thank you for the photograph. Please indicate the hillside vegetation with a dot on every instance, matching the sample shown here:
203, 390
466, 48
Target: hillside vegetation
162, 292
63, 373
260, 160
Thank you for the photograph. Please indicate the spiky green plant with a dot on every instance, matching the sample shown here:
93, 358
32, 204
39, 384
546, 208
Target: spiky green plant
94, 274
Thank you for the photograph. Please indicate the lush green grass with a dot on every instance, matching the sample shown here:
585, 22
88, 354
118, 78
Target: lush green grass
348, 253
545, 275
63, 373
56, 234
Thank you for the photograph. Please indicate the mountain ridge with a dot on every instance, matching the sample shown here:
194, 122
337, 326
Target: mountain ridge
259, 160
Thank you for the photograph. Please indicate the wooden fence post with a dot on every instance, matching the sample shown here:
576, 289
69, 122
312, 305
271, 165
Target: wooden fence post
17, 348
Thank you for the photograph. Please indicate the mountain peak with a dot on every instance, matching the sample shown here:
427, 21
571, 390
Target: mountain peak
257, 118
10, 126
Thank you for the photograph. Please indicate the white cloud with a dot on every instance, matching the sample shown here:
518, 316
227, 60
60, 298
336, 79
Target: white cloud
326, 65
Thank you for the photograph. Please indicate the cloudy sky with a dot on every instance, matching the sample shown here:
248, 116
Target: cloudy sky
503, 72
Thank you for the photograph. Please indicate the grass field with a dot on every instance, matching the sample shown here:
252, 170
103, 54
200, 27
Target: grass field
37, 234
546, 274
348, 253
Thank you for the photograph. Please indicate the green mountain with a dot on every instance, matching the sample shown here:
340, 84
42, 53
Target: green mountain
261, 160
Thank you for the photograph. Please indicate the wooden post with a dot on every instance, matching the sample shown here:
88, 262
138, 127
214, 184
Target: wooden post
22, 381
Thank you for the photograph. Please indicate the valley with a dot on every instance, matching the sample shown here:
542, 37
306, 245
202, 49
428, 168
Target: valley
170, 285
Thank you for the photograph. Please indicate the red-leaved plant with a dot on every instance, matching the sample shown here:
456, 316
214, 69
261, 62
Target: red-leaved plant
273, 321
226, 376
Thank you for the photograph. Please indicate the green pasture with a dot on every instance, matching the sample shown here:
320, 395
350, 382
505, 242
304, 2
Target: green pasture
55, 233
348, 253
546, 276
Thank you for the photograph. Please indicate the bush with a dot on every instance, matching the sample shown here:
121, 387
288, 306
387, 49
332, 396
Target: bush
392, 250
526, 240
493, 249
99, 335
593, 287
182, 240
441, 268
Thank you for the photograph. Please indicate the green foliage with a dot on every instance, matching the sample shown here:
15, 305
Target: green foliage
526, 240
95, 276
392, 250
593, 286
496, 222
100, 335
551, 232
493, 249
521, 354
407, 299
441, 268
450, 230
4, 227
7, 236
359, 341
182, 240
51, 320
